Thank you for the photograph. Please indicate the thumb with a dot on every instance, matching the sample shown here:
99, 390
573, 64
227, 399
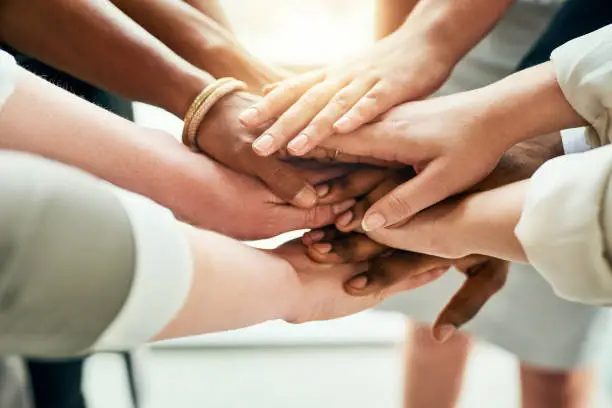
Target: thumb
434, 184
286, 182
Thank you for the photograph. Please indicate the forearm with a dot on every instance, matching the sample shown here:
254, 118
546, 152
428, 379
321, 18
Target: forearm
200, 40
191, 34
233, 286
524, 105
391, 14
454, 26
43, 119
95, 41
486, 221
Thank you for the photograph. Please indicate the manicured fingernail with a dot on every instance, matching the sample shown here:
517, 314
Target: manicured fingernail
263, 144
444, 332
249, 117
359, 283
343, 206
323, 248
345, 218
298, 144
313, 237
373, 221
322, 190
342, 124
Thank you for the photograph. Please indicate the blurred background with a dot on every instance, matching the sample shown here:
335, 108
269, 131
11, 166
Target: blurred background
354, 362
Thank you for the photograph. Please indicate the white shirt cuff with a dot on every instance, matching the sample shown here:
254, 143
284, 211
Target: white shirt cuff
575, 140
162, 277
560, 227
583, 68
8, 76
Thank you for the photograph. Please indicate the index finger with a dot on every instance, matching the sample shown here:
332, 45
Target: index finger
279, 99
483, 281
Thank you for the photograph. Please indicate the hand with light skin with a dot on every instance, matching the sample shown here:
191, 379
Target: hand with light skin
410, 64
235, 285
455, 141
450, 232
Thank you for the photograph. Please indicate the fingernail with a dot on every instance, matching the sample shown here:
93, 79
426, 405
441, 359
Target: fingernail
306, 198
298, 144
249, 116
445, 332
345, 218
343, 206
263, 144
342, 124
359, 283
322, 190
373, 221
314, 236
323, 248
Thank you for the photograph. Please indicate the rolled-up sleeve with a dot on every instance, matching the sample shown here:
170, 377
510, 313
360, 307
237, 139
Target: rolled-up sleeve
566, 225
584, 71
83, 265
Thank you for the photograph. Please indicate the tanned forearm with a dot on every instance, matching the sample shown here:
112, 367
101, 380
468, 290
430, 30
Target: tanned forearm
96, 42
200, 40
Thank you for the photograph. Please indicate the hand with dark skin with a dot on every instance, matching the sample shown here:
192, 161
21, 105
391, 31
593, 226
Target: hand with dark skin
223, 138
485, 275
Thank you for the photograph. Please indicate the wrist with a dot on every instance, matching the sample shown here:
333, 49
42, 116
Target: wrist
488, 219
183, 88
439, 44
286, 288
527, 104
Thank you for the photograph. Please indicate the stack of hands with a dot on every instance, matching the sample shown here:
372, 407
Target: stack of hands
403, 192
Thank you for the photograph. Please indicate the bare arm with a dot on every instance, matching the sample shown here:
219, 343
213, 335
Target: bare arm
95, 41
456, 26
199, 39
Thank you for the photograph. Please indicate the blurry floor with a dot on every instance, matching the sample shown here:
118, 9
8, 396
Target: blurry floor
296, 377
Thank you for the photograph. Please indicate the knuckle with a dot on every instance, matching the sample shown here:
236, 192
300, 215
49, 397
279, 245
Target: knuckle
291, 88
340, 103
315, 217
399, 205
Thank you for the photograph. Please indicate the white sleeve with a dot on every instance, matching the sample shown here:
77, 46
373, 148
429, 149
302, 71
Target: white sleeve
584, 72
575, 140
162, 277
566, 225
8, 76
